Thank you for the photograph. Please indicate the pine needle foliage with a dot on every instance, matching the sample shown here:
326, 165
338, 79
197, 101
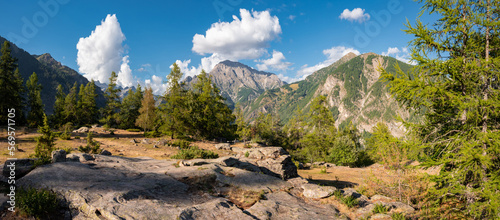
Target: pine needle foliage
456, 85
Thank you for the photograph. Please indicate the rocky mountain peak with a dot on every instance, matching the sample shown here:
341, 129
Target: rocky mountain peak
48, 60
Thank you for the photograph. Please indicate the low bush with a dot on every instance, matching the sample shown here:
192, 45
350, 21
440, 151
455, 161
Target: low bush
65, 136
38, 203
349, 201
92, 146
133, 130
183, 144
398, 216
152, 134
195, 152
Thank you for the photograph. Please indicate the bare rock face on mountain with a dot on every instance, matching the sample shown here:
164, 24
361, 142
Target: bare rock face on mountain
239, 82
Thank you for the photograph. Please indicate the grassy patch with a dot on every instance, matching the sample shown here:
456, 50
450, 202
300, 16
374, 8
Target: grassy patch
379, 208
38, 203
195, 152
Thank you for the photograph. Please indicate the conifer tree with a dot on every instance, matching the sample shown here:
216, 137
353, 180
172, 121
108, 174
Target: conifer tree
147, 117
35, 114
210, 117
45, 142
110, 112
58, 115
456, 85
129, 110
82, 112
11, 86
174, 110
90, 104
71, 105
243, 128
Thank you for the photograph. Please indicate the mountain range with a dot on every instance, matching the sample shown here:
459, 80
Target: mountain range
50, 74
353, 87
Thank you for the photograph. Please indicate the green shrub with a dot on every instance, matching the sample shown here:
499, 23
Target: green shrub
112, 131
323, 170
343, 152
77, 137
42, 161
57, 133
247, 154
379, 208
65, 136
36, 202
338, 194
133, 130
398, 216
67, 150
183, 144
152, 134
195, 152
92, 146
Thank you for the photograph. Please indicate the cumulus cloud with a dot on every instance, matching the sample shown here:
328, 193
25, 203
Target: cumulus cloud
402, 55
157, 85
244, 38
102, 52
333, 54
291, 17
357, 14
186, 70
276, 62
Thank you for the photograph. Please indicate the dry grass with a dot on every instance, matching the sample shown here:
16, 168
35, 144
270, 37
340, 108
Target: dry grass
294, 86
244, 198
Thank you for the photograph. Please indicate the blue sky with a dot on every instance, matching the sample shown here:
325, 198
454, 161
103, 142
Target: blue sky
140, 41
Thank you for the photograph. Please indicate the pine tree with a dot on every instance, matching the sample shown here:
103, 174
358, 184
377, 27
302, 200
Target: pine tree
45, 142
71, 105
174, 111
90, 104
81, 108
35, 114
243, 128
210, 116
11, 86
130, 108
295, 130
455, 84
57, 117
147, 117
110, 112
322, 131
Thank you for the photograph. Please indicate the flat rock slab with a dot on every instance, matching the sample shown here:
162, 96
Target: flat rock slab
314, 191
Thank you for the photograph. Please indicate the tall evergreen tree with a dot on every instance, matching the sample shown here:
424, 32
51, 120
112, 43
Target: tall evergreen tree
82, 112
129, 110
71, 105
174, 110
11, 86
210, 117
89, 101
243, 128
458, 89
35, 114
57, 117
110, 112
147, 117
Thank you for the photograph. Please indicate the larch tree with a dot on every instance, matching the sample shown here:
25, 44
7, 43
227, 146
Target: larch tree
35, 113
173, 110
11, 86
147, 111
456, 84
71, 105
110, 112
57, 117
129, 110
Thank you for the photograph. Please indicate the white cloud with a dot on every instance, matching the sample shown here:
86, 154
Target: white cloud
357, 14
102, 52
276, 62
208, 63
292, 17
392, 50
289, 79
186, 70
333, 54
402, 55
244, 38
157, 85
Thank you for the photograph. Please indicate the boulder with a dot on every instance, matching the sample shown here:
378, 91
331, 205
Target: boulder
223, 146
105, 152
380, 199
162, 142
82, 130
314, 191
364, 212
72, 158
82, 157
21, 167
401, 207
298, 181
133, 141
58, 156
145, 141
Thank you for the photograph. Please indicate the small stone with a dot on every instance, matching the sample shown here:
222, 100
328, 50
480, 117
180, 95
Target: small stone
145, 141
105, 153
223, 146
